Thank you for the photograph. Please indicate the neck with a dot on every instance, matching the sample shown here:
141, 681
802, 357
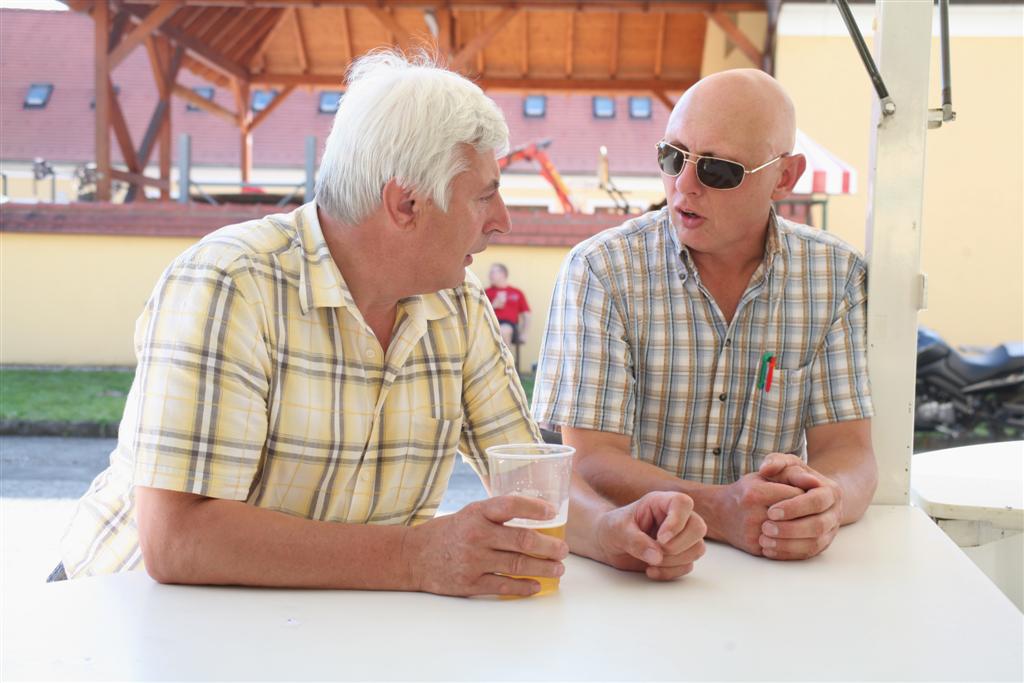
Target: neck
370, 270
741, 258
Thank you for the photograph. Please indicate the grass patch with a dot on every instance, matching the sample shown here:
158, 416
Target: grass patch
64, 395
527, 381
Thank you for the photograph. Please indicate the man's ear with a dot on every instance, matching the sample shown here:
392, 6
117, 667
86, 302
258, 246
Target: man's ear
400, 204
792, 168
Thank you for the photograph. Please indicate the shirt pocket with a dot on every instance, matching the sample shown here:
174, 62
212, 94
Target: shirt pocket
774, 419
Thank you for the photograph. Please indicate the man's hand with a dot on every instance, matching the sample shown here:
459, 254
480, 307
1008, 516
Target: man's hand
463, 553
802, 526
741, 509
658, 534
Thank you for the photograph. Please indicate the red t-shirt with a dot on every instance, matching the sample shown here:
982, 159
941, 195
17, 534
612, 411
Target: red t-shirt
515, 303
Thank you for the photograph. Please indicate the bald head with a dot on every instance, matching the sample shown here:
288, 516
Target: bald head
745, 106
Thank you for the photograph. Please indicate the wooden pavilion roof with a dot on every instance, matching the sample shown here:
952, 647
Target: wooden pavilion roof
538, 45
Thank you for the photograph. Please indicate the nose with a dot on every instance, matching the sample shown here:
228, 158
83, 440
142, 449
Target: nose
686, 182
499, 221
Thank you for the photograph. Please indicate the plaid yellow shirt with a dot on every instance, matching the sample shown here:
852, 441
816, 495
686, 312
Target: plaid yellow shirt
258, 380
636, 345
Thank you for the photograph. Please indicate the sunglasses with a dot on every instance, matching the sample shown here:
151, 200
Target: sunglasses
718, 174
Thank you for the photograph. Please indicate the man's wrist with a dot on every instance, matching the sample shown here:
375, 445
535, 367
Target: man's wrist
410, 548
707, 502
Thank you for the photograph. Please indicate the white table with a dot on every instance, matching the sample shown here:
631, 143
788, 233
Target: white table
976, 495
892, 599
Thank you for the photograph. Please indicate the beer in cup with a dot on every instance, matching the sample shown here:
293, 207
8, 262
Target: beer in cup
537, 470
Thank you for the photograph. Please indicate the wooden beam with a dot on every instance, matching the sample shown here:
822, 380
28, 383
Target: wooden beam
398, 33
156, 18
245, 128
161, 111
659, 46
274, 104
101, 19
117, 27
444, 31
229, 46
570, 44
257, 36
481, 39
261, 47
346, 33
139, 179
203, 51
736, 36
524, 64
613, 65
300, 42
630, 6
121, 132
774, 8
212, 24
665, 99
596, 85
189, 96
480, 66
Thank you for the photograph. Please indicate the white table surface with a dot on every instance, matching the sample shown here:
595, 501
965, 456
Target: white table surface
982, 483
892, 599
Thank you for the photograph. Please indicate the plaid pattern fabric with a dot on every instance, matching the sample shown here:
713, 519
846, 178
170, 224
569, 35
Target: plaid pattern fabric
258, 380
635, 345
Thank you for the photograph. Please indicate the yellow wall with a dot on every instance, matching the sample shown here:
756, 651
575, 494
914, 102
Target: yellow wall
973, 223
73, 299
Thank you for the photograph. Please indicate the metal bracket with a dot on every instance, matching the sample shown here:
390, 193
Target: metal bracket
936, 117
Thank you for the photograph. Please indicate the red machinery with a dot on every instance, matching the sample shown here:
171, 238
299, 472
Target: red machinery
535, 152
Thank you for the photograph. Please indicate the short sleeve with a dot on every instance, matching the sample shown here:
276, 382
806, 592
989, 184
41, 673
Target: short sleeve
839, 373
524, 307
196, 419
494, 406
585, 377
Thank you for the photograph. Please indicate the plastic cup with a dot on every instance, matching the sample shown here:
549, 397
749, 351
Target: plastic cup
537, 470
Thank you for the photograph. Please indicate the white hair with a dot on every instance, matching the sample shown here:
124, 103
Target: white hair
405, 120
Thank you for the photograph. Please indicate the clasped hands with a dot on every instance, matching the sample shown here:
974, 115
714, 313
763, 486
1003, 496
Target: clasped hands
784, 511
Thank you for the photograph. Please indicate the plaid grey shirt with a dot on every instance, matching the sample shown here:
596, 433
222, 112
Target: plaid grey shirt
636, 345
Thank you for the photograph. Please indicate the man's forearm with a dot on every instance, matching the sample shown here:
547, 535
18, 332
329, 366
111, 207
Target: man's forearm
856, 474
221, 542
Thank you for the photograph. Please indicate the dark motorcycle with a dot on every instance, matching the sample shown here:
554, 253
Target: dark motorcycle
957, 393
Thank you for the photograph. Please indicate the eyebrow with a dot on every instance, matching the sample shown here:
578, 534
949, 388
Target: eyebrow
492, 186
708, 153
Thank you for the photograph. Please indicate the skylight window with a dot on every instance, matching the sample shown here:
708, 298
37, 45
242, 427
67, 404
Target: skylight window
38, 95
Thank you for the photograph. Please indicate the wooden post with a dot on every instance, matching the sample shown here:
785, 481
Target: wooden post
245, 127
101, 20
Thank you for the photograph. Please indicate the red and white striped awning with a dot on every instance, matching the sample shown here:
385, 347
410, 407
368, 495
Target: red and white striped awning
826, 173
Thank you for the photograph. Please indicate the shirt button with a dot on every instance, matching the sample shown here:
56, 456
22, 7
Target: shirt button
728, 342
721, 397
717, 451
370, 353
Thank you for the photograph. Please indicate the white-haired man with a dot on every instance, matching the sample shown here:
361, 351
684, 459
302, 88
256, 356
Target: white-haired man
305, 380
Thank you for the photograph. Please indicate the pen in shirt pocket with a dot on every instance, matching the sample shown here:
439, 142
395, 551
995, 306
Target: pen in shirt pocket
766, 372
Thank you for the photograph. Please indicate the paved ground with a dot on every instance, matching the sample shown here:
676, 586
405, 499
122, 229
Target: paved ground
41, 477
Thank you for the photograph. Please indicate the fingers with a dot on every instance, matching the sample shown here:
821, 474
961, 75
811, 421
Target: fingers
492, 584
668, 573
501, 509
812, 526
527, 541
812, 502
677, 508
796, 548
774, 463
691, 534
517, 564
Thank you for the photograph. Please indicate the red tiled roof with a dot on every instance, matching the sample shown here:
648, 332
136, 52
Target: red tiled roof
56, 47
161, 219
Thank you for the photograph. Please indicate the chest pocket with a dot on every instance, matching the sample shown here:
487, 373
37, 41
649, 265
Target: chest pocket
773, 421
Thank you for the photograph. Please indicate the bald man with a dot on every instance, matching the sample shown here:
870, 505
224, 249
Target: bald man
714, 348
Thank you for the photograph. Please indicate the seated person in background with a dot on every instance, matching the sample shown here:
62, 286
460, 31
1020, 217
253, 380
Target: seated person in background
509, 306
714, 348
305, 379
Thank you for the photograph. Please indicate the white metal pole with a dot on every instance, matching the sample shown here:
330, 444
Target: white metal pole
896, 286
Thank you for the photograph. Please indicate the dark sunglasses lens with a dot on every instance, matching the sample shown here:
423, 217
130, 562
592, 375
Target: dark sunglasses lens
719, 174
670, 160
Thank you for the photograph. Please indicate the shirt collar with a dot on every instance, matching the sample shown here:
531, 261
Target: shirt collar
773, 244
321, 284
